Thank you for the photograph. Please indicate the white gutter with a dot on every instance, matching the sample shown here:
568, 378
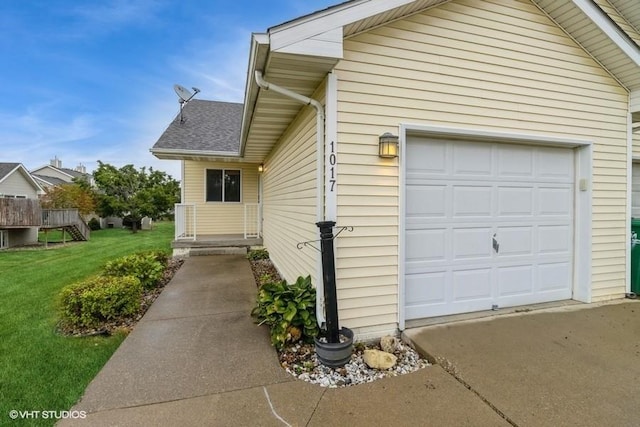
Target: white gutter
319, 168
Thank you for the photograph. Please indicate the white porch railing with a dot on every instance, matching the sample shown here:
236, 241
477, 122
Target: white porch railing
252, 220
185, 221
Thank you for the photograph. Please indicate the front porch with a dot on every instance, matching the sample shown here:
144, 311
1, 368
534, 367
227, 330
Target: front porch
188, 242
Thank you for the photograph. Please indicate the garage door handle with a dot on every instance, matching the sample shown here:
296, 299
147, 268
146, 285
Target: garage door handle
496, 245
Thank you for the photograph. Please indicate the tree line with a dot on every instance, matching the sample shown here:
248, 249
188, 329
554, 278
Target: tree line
120, 192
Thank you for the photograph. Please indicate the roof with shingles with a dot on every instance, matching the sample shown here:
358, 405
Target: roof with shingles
52, 180
6, 168
207, 126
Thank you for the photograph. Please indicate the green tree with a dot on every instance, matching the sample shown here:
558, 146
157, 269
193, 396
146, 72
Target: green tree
76, 195
133, 193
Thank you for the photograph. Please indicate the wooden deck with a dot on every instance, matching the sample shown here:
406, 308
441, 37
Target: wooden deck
20, 213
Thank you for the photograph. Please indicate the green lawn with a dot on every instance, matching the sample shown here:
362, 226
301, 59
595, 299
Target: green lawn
40, 370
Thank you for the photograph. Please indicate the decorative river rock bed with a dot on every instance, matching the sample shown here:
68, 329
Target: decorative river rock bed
300, 360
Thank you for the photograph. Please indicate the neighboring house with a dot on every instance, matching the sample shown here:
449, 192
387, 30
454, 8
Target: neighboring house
513, 179
20, 213
54, 174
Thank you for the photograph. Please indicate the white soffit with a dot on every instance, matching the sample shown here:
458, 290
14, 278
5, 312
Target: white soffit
630, 9
598, 35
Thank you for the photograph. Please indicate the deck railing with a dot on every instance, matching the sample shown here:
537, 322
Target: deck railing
252, 220
185, 217
185, 221
20, 212
60, 218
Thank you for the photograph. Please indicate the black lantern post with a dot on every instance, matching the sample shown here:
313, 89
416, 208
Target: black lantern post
329, 280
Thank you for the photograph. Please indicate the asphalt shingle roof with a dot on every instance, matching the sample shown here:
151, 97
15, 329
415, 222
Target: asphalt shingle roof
5, 168
208, 126
51, 179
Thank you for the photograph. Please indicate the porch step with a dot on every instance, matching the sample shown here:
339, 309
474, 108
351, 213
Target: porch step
220, 250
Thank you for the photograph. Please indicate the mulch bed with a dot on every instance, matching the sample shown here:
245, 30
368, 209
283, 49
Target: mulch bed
263, 268
126, 324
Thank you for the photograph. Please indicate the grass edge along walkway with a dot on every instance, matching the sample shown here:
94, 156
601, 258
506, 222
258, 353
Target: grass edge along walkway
41, 370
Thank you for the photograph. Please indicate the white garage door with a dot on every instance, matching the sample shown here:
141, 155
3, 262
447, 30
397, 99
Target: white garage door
635, 191
487, 224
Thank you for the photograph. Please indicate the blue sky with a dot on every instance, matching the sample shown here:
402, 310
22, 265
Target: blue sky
93, 80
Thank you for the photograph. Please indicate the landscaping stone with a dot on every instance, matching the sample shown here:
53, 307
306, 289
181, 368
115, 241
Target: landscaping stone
389, 343
378, 359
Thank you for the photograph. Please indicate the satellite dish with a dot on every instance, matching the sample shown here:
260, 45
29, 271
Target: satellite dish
184, 93
185, 96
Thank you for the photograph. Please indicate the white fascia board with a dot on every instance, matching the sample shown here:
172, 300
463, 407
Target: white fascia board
609, 28
327, 44
257, 59
327, 20
175, 152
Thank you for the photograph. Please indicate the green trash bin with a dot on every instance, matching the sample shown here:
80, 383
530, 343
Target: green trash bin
635, 255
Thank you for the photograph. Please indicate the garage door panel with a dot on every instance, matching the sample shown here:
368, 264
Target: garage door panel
555, 164
426, 201
427, 159
471, 243
554, 201
426, 245
515, 162
472, 284
472, 159
472, 201
515, 280
554, 276
515, 241
554, 239
521, 194
515, 201
426, 288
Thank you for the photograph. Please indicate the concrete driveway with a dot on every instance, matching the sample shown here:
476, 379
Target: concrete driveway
574, 366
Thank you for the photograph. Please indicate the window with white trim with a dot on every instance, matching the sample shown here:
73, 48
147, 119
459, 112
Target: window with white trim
223, 185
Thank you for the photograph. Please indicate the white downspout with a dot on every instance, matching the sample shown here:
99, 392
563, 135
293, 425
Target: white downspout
319, 170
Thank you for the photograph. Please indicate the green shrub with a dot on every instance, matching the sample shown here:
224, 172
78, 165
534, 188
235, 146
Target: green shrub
96, 300
147, 267
257, 254
289, 310
94, 224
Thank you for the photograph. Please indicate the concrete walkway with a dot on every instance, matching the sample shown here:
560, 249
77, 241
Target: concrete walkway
196, 358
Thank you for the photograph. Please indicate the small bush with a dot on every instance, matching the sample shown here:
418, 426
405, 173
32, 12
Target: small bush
147, 267
289, 310
94, 224
257, 254
100, 299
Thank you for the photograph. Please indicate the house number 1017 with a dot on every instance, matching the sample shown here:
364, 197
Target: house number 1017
332, 169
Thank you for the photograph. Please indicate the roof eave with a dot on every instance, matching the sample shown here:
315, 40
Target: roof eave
182, 154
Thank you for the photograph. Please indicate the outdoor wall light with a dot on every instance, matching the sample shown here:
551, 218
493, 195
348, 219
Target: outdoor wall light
388, 146
260, 167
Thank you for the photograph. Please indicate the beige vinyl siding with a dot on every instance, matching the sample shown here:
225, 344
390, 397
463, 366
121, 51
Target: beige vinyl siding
17, 185
495, 65
636, 145
219, 217
289, 191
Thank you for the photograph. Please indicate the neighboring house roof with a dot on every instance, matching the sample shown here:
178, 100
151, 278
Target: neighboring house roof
298, 54
49, 180
7, 169
208, 126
